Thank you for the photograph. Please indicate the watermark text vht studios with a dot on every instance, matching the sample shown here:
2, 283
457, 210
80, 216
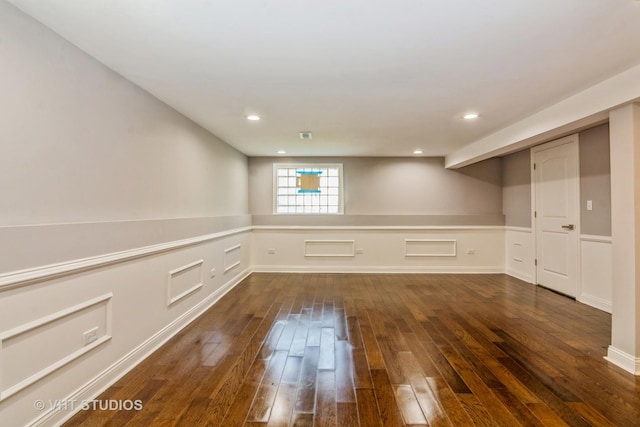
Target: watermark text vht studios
88, 405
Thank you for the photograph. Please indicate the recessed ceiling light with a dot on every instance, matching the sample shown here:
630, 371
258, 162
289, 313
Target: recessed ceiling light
282, 152
253, 117
470, 116
417, 151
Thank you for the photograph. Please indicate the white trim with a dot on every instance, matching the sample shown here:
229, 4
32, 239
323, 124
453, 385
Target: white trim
186, 293
232, 248
118, 369
454, 252
519, 275
534, 228
117, 221
346, 255
520, 266
185, 267
377, 227
623, 360
593, 301
595, 239
515, 258
574, 138
518, 229
377, 269
47, 272
29, 276
232, 266
172, 273
9, 391
227, 251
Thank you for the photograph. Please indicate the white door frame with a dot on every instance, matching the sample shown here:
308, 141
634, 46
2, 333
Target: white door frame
566, 140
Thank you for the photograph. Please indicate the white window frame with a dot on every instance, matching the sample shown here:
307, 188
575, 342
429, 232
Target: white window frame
338, 166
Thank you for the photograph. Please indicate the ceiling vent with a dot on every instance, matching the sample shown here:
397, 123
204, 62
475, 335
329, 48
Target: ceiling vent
305, 134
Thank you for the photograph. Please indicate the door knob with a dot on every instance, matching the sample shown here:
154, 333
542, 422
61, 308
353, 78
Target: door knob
568, 227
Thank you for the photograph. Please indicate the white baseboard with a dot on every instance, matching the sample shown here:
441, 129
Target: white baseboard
623, 360
376, 269
520, 275
113, 373
599, 303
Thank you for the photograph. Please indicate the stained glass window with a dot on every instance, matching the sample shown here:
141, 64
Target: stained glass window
308, 188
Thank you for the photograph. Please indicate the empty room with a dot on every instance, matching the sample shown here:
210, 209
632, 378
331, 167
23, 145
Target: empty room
305, 213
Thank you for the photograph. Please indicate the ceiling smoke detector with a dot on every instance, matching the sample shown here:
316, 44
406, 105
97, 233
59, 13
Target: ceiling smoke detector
305, 134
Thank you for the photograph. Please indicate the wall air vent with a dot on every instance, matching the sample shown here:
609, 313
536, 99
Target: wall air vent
305, 134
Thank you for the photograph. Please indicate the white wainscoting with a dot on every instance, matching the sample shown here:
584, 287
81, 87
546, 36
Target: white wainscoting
596, 272
143, 311
595, 264
430, 248
232, 258
45, 312
447, 249
329, 248
26, 357
519, 253
184, 281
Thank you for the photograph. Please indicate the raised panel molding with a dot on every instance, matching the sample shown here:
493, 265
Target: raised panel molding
430, 248
357, 249
34, 275
190, 272
519, 253
329, 248
28, 337
170, 273
596, 272
96, 385
232, 257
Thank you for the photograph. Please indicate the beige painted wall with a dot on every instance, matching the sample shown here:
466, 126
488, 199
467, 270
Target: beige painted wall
396, 187
80, 145
595, 184
595, 181
516, 189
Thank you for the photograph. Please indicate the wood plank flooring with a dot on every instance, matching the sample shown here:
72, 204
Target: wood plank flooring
382, 350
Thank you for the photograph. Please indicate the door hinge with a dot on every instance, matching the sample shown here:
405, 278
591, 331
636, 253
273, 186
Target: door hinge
535, 262
535, 214
534, 166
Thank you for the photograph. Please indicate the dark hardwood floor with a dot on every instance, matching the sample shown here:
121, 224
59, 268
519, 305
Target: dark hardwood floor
382, 350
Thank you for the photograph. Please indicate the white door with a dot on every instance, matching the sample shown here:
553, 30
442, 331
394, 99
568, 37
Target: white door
557, 214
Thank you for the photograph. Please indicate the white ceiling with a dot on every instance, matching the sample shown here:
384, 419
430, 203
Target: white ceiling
367, 77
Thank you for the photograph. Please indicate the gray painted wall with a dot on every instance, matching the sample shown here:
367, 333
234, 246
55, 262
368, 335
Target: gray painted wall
595, 184
376, 186
81, 145
516, 189
595, 181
